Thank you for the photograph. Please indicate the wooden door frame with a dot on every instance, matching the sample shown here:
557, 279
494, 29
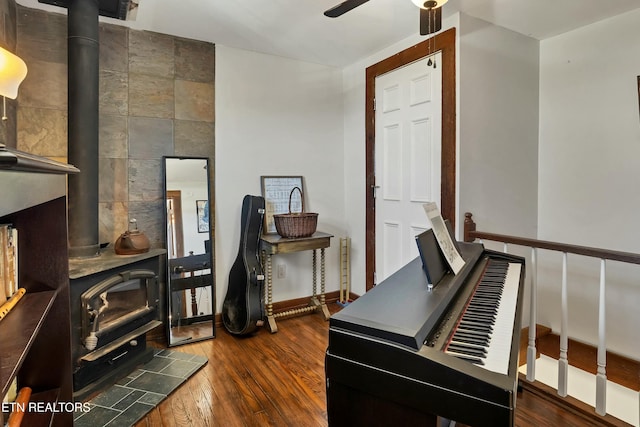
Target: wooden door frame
176, 196
446, 43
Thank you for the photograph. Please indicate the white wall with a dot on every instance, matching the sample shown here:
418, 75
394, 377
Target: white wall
276, 116
589, 170
498, 134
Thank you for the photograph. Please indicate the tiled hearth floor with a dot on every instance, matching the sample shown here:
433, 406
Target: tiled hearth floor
132, 397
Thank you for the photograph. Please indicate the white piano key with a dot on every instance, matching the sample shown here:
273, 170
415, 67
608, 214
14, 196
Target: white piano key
499, 349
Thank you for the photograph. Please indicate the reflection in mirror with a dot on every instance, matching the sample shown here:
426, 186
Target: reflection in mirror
190, 287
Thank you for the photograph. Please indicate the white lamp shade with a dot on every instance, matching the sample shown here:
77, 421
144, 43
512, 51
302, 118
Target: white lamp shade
433, 4
13, 70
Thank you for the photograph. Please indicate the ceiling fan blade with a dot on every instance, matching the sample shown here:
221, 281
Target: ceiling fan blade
430, 21
343, 7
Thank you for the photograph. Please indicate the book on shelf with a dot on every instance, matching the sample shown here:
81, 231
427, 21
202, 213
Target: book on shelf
8, 261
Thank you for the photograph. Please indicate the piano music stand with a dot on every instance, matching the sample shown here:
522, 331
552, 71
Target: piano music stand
434, 263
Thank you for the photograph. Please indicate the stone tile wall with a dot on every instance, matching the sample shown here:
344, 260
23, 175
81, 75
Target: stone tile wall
156, 99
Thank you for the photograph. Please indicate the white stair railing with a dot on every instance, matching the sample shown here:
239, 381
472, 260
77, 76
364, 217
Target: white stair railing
470, 234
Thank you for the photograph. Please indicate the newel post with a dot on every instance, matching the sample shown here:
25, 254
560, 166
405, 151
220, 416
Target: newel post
469, 226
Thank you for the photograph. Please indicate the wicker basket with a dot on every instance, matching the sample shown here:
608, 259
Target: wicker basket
300, 224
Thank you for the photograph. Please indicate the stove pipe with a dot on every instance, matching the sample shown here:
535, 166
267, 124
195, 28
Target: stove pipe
83, 95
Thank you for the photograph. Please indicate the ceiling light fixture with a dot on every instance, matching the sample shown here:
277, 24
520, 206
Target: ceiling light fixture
430, 23
429, 4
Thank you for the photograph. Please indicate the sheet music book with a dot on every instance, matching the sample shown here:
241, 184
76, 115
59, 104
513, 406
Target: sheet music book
448, 248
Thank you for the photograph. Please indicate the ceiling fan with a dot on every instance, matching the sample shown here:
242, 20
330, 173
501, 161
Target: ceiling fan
430, 13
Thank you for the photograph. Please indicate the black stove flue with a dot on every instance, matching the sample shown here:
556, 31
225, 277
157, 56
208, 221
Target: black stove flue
83, 97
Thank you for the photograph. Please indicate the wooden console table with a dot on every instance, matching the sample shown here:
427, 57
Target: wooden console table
272, 244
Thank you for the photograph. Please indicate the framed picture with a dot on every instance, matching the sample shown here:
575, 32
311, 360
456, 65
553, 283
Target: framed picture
202, 210
276, 191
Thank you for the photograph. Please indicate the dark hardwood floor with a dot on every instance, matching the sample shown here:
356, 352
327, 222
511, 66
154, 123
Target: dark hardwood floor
278, 380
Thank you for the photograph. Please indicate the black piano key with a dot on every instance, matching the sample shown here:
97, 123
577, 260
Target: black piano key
494, 275
484, 301
495, 292
472, 310
471, 340
490, 289
482, 310
493, 282
470, 332
480, 340
492, 298
483, 298
493, 289
474, 360
469, 345
468, 351
476, 326
479, 343
479, 313
474, 318
483, 306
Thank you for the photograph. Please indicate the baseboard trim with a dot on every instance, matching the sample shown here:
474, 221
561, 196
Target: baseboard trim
568, 403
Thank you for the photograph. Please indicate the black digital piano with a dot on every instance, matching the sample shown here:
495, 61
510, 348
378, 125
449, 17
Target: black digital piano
411, 353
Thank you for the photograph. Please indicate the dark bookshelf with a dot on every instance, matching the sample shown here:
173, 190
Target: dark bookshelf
36, 333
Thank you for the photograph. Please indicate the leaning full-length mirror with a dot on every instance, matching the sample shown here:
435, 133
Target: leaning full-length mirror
190, 283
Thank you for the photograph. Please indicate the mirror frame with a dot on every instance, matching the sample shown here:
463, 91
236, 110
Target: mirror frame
210, 233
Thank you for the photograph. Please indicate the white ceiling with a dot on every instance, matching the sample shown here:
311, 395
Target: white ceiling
298, 29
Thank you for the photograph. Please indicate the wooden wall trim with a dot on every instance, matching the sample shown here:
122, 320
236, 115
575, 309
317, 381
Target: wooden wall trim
446, 43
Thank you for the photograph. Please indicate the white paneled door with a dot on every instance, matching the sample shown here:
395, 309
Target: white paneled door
407, 159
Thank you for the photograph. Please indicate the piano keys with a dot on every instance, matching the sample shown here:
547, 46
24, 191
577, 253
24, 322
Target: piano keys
405, 352
484, 330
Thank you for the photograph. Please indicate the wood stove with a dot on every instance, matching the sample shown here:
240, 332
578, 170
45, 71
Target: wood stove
115, 301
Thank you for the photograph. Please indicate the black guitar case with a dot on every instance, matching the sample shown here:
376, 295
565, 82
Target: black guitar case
243, 307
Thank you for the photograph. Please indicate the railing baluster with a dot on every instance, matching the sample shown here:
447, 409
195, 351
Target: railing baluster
601, 376
531, 349
563, 361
